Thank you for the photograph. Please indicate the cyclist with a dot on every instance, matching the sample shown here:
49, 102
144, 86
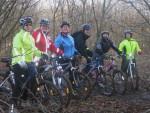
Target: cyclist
80, 38
129, 47
23, 51
104, 46
65, 41
42, 39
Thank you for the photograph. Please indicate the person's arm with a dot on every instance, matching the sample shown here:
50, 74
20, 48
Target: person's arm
114, 47
121, 46
98, 48
138, 49
58, 42
80, 46
54, 49
17, 48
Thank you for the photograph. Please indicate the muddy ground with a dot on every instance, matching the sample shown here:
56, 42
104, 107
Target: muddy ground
131, 102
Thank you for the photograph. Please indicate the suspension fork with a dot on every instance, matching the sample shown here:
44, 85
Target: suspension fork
131, 68
73, 74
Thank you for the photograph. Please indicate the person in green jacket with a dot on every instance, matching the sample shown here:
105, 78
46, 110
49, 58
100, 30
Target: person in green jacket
129, 47
23, 52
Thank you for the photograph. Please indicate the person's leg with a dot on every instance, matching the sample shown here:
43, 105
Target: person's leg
32, 72
16, 93
124, 65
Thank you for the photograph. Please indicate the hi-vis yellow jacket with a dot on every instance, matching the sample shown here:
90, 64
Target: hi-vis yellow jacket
24, 47
131, 47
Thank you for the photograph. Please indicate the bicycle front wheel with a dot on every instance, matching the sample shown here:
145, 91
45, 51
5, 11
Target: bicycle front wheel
51, 97
82, 85
119, 82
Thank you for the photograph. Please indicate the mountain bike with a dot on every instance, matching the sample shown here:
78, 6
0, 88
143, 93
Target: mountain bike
81, 84
132, 74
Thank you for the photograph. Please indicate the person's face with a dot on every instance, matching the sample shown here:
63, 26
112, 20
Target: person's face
44, 28
65, 29
28, 27
105, 35
128, 35
87, 32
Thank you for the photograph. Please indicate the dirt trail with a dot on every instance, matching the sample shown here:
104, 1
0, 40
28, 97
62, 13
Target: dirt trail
132, 102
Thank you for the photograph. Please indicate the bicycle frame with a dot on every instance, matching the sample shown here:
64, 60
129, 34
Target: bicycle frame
131, 66
10, 76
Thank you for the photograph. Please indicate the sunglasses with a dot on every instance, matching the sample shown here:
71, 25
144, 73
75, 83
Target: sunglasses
28, 24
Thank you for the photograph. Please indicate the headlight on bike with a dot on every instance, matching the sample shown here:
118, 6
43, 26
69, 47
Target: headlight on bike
36, 64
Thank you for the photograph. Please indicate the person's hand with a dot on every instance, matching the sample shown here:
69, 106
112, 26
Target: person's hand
140, 52
88, 59
23, 64
44, 56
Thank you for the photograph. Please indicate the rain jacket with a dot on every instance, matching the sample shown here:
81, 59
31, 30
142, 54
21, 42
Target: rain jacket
24, 47
130, 47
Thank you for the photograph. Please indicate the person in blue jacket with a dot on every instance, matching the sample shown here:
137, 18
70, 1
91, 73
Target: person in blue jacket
65, 41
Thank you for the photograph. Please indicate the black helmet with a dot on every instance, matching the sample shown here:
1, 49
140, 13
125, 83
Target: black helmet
64, 23
86, 27
128, 32
25, 20
44, 22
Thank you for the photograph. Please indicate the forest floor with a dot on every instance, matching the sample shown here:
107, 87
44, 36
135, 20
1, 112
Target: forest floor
131, 102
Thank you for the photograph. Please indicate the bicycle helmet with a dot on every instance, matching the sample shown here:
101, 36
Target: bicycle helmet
86, 27
128, 32
25, 20
44, 22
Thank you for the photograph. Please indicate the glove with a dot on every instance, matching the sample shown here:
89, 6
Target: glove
44, 56
23, 65
88, 59
89, 52
140, 52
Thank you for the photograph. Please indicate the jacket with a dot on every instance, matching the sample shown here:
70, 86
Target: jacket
129, 46
23, 48
104, 46
66, 43
43, 43
80, 43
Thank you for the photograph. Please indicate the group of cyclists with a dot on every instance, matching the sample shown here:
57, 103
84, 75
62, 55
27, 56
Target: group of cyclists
29, 43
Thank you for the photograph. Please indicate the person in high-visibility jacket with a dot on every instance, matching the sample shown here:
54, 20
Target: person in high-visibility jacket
23, 52
128, 47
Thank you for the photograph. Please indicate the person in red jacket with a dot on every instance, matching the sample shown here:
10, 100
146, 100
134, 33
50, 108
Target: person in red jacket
42, 40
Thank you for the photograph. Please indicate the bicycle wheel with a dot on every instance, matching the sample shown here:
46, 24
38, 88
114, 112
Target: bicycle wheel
64, 86
119, 82
4, 106
81, 85
134, 78
6, 85
50, 96
105, 84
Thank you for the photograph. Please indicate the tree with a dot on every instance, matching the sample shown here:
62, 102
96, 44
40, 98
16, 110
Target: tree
10, 12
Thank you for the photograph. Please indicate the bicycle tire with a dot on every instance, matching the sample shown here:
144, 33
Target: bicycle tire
65, 88
119, 82
82, 85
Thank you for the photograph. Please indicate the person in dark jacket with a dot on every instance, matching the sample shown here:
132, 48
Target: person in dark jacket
80, 38
104, 46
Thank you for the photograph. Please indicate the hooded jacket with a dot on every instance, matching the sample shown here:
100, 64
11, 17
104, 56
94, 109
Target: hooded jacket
80, 43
